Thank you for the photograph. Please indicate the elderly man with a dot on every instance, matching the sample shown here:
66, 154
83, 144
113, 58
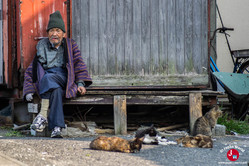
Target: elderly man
57, 71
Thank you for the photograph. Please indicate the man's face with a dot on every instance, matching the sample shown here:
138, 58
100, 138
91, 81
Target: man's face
55, 36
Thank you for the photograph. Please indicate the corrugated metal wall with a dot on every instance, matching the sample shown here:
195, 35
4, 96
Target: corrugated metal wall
143, 42
34, 17
23, 24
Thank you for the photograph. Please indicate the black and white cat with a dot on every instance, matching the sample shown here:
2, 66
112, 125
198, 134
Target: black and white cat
151, 136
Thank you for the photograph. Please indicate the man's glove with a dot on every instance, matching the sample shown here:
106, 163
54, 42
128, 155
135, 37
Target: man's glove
29, 97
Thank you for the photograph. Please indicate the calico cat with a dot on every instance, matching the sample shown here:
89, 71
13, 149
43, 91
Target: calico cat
201, 141
205, 124
117, 144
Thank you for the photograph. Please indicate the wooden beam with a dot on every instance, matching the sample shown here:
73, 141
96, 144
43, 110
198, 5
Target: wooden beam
156, 100
120, 115
195, 109
90, 99
172, 127
148, 81
138, 100
92, 91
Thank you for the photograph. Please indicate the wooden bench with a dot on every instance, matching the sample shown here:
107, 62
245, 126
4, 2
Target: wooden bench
120, 99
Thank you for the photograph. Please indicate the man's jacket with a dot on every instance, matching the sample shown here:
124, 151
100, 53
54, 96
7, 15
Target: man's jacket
76, 69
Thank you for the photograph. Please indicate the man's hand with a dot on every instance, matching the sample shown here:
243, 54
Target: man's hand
29, 97
81, 90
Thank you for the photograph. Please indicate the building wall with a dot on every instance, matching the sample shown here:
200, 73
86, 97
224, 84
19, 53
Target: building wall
234, 14
143, 42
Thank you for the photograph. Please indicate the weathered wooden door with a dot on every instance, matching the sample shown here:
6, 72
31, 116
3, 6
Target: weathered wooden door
153, 43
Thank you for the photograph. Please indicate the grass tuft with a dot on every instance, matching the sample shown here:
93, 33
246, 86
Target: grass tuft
13, 133
240, 127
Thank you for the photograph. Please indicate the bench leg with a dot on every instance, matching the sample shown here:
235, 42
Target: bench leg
120, 116
195, 109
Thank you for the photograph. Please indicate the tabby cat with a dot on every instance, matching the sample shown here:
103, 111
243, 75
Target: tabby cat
201, 141
117, 144
205, 124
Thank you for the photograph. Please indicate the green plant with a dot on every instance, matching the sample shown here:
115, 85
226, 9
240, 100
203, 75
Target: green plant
13, 133
240, 127
5, 128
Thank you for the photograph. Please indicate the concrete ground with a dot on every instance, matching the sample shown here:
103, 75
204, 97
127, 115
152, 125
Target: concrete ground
7, 161
40, 151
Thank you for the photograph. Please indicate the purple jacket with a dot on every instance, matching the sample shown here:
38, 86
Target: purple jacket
77, 72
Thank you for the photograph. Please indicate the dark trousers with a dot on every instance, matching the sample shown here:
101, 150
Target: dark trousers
53, 88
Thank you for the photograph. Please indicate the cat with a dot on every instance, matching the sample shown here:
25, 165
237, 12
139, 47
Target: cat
149, 134
205, 124
149, 130
117, 144
201, 141
152, 136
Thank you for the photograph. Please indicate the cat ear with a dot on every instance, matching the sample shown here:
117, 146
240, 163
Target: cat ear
140, 139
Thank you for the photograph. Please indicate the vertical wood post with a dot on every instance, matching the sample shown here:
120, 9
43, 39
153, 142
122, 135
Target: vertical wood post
120, 116
195, 109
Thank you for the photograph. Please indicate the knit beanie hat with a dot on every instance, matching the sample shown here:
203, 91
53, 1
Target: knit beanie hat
56, 21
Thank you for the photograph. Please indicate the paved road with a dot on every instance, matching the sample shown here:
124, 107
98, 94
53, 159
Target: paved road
45, 151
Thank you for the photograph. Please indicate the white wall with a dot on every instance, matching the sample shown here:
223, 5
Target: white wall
235, 14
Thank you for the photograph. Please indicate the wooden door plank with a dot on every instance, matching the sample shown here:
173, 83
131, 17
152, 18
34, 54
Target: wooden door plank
128, 41
189, 62
171, 33
102, 47
154, 59
111, 28
145, 32
119, 40
162, 50
197, 38
137, 25
94, 62
84, 31
180, 36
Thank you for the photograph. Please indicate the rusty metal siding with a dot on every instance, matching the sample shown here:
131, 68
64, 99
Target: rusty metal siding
143, 42
9, 59
7, 45
1, 42
5, 40
34, 16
